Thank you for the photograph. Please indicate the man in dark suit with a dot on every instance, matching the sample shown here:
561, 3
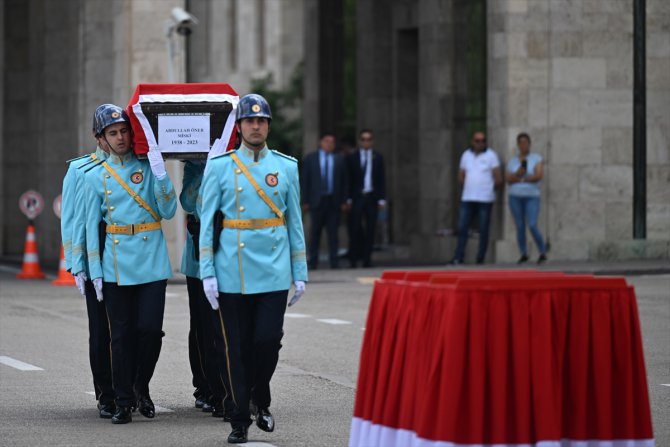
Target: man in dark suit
324, 195
367, 194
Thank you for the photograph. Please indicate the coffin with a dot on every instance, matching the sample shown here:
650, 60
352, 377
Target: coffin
182, 120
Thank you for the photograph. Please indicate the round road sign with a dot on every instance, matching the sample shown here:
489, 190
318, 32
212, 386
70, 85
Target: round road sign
31, 204
57, 204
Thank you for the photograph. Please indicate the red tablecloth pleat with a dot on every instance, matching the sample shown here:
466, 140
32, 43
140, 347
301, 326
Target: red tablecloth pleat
500, 359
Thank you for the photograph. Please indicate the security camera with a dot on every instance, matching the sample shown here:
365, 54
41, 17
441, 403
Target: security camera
184, 21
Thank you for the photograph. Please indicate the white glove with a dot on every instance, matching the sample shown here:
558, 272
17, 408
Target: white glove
157, 163
211, 287
97, 285
80, 280
217, 149
299, 292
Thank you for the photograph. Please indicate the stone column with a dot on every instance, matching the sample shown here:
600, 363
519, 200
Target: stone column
2, 121
311, 98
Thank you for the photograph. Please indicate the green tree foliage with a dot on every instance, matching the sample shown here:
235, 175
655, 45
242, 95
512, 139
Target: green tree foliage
286, 128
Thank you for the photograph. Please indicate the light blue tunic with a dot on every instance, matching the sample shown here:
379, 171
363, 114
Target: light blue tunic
127, 259
259, 260
193, 173
79, 258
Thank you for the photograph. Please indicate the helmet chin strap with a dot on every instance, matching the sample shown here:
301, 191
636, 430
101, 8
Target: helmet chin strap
111, 148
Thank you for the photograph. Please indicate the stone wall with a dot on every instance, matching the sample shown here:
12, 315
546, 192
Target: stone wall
563, 72
237, 41
41, 111
63, 59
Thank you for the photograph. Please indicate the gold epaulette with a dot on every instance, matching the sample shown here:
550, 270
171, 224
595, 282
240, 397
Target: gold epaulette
94, 160
222, 155
93, 164
284, 155
77, 158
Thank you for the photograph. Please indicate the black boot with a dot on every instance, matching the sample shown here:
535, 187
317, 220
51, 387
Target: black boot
123, 415
106, 410
146, 407
264, 420
238, 435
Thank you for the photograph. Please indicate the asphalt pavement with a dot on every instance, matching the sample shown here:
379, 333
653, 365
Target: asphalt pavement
313, 389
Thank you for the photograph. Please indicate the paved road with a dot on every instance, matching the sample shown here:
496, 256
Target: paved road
313, 388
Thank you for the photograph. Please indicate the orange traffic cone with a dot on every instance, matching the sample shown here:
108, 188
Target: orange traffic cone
31, 261
64, 278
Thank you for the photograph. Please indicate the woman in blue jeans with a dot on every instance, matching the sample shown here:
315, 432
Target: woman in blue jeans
524, 174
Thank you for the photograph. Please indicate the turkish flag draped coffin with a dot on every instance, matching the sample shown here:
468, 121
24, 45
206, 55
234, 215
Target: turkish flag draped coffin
182, 120
501, 358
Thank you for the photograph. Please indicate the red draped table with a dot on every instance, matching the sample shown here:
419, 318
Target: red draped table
501, 358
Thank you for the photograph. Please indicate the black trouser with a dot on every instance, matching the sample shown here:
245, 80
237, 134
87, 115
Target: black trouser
364, 208
248, 333
99, 353
207, 381
327, 214
136, 321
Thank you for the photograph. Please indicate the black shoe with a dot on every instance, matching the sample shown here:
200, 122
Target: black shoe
217, 410
146, 407
106, 410
264, 420
542, 258
238, 435
367, 264
207, 407
455, 262
200, 402
123, 415
522, 259
479, 262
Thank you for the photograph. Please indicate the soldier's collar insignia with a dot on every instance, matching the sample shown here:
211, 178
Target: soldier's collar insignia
249, 153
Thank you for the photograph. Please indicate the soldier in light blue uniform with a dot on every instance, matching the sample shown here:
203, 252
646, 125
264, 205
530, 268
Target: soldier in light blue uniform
73, 221
130, 269
261, 250
209, 387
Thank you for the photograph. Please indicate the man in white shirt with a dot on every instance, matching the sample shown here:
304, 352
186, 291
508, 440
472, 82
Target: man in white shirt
479, 174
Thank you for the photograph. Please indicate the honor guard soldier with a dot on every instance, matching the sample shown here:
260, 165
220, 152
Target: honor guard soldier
247, 270
209, 387
73, 222
126, 200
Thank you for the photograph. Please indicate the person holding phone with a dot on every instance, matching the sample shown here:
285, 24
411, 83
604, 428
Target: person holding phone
524, 175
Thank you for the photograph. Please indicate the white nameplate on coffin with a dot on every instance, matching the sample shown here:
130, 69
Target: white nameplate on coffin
183, 133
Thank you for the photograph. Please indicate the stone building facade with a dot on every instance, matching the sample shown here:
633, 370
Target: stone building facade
561, 70
558, 69
61, 59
